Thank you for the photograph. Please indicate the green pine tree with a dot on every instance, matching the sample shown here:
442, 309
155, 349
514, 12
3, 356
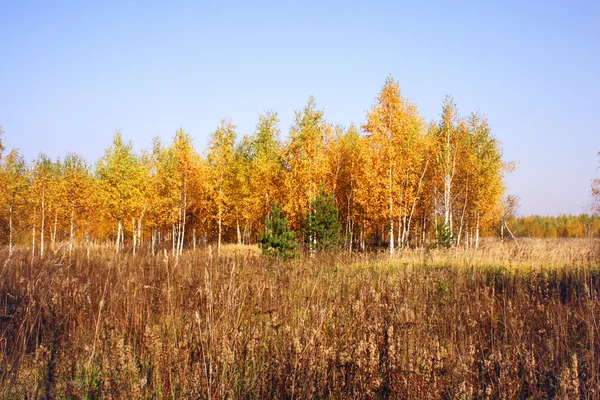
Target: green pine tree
321, 225
445, 238
277, 240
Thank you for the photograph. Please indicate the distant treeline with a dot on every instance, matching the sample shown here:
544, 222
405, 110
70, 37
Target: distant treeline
563, 226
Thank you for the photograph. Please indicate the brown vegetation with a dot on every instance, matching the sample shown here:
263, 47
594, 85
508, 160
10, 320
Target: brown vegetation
516, 321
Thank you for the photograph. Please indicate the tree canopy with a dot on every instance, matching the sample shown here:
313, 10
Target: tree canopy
395, 181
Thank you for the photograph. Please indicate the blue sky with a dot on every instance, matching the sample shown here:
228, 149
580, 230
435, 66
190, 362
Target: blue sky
72, 73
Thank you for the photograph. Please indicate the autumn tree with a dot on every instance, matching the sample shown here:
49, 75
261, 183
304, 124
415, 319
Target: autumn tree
394, 129
397, 183
120, 178
265, 169
482, 179
158, 202
77, 186
448, 139
178, 172
42, 177
13, 190
304, 161
221, 153
345, 164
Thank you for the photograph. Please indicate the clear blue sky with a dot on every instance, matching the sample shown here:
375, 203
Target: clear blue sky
71, 73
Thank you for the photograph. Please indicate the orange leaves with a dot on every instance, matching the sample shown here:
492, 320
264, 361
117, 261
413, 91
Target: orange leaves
304, 161
392, 183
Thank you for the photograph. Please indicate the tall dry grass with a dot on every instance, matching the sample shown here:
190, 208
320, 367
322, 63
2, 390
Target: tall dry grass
502, 322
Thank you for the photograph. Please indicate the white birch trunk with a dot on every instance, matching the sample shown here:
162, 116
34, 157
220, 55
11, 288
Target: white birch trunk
55, 229
477, 231
10, 231
153, 240
462, 216
43, 225
133, 234
33, 235
184, 220
72, 231
219, 240
391, 206
173, 235
118, 245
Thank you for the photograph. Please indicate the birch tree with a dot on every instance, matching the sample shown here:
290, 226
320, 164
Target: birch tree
41, 189
220, 159
78, 188
447, 138
13, 191
120, 178
304, 161
179, 167
394, 129
344, 168
484, 187
265, 171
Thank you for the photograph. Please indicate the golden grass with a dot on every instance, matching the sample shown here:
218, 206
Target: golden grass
501, 322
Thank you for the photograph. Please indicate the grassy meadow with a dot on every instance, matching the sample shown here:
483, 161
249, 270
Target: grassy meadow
505, 321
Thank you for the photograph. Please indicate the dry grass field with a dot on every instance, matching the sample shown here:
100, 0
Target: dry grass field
506, 321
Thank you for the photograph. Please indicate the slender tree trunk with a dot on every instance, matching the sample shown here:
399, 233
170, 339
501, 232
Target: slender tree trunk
139, 225
399, 238
33, 234
391, 206
423, 231
220, 222
348, 232
511, 234
194, 237
43, 223
153, 240
239, 233
72, 231
435, 213
139, 233
447, 202
362, 236
133, 234
10, 231
404, 238
414, 204
462, 216
119, 228
184, 220
173, 234
477, 231
351, 241
55, 229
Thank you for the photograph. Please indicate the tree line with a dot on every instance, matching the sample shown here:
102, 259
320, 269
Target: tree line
396, 181
563, 226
